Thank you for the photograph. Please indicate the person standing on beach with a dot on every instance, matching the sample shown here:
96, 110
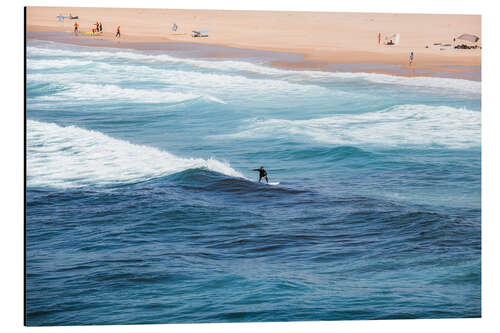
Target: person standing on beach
118, 34
100, 26
379, 36
411, 57
76, 28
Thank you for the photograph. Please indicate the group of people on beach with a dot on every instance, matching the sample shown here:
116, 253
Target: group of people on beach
98, 27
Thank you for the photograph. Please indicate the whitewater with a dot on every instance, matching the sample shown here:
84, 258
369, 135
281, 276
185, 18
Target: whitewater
143, 205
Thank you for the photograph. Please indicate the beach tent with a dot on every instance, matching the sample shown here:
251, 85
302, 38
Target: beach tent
393, 37
469, 38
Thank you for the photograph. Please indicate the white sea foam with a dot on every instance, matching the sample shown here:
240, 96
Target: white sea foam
447, 84
219, 83
109, 92
227, 65
66, 157
404, 125
55, 63
415, 81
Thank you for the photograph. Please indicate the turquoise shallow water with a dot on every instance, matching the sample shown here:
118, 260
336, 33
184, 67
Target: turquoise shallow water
142, 206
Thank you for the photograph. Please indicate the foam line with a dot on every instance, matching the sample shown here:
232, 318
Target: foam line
461, 85
403, 125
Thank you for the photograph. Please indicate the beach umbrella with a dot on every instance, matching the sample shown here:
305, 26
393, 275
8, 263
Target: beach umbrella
468, 37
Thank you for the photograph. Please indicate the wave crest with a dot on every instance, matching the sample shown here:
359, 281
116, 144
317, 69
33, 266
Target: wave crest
66, 157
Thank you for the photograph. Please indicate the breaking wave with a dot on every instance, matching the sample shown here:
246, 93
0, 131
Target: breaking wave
70, 156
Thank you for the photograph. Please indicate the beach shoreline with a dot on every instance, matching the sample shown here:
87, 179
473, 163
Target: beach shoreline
281, 60
356, 54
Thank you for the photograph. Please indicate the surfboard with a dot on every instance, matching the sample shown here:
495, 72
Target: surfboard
270, 183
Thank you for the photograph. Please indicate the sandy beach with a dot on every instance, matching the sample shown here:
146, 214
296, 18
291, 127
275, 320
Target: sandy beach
319, 36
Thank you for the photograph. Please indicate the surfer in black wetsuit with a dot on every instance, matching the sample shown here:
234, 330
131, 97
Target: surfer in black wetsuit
262, 174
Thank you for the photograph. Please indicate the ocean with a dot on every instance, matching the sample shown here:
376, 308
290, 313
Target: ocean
143, 206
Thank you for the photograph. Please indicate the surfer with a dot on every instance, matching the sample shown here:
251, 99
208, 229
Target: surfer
262, 174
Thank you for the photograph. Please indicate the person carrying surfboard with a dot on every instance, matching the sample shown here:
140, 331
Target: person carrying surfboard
262, 174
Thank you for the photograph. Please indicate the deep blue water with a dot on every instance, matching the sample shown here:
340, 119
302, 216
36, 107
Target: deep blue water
142, 206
